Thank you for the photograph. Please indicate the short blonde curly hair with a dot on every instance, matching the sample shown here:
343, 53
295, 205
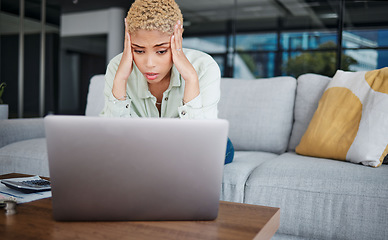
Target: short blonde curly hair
159, 15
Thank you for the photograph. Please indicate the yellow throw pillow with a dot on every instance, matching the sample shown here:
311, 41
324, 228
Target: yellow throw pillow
351, 121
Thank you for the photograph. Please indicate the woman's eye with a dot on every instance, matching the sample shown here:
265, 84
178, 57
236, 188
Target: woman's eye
162, 52
138, 51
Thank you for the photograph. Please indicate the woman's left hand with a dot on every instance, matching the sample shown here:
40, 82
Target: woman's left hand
184, 67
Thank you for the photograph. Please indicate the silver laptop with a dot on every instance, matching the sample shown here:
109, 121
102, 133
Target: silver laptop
116, 169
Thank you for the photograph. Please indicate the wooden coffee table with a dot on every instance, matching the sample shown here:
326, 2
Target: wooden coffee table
235, 221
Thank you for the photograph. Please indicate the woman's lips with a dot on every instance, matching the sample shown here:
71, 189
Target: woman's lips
151, 76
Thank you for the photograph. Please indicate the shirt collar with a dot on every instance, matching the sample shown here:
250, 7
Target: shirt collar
175, 80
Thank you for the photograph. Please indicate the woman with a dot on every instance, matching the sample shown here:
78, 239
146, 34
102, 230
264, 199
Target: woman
154, 76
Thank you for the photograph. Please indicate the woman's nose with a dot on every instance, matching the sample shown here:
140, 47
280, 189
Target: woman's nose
150, 61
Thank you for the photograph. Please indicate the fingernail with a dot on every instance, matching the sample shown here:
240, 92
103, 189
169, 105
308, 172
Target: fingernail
179, 21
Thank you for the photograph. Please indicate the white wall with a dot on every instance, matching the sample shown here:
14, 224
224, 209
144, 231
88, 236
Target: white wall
108, 21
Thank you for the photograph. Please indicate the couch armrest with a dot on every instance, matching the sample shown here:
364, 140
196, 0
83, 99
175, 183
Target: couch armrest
14, 130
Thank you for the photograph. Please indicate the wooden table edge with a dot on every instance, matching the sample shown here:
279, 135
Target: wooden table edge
267, 231
270, 228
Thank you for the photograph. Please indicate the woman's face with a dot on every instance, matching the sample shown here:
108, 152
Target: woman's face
152, 54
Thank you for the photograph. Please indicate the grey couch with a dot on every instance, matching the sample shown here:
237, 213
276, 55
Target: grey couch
319, 198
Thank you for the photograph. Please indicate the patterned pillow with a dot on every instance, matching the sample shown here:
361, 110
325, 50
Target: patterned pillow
351, 122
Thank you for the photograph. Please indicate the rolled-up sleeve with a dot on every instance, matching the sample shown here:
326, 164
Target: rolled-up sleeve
204, 106
114, 107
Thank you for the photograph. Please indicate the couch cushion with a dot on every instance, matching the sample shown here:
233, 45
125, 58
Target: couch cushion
28, 156
322, 198
236, 173
260, 112
14, 130
351, 120
308, 92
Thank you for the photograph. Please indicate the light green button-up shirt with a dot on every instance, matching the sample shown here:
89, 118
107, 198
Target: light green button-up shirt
141, 103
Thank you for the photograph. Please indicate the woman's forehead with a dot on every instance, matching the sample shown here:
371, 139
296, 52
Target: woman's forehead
151, 38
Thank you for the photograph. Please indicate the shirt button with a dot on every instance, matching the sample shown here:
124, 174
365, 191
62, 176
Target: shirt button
166, 98
183, 113
127, 106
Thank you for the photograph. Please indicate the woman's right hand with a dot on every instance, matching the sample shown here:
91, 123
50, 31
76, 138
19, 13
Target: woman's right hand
124, 69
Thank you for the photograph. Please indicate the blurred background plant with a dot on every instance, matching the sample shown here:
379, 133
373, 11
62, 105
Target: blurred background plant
2, 87
319, 62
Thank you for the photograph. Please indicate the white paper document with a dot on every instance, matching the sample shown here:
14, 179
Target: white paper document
20, 197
